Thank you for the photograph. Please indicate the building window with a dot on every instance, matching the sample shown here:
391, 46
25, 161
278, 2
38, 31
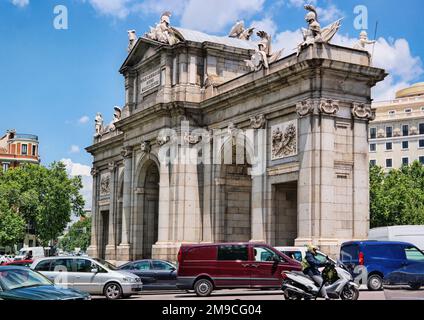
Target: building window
24, 150
373, 147
421, 159
389, 146
405, 161
389, 132
373, 133
405, 130
5, 167
421, 128
34, 150
392, 112
405, 145
408, 110
421, 143
373, 163
389, 163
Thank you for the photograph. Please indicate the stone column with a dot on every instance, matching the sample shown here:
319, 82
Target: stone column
361, 114
111, 246
124, 248
257, 140
307, 137
92, 250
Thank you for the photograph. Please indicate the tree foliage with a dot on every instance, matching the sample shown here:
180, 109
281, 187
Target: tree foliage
77, 237
397, 197
43, 196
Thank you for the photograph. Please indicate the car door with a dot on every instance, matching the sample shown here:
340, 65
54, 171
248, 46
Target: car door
165, 274
144, 270
265, 272
233, 267
86, 280
60, 272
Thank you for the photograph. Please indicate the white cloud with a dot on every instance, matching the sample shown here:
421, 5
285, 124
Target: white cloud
74, 149
20, 3
83, 120
78, 169
266, 24
300, 3
116, 8
329, 14
215, 16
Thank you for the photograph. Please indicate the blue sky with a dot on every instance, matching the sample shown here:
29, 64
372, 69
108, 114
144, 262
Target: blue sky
52, 82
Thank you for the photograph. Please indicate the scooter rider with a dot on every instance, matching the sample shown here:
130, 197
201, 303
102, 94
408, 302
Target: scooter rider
310, 266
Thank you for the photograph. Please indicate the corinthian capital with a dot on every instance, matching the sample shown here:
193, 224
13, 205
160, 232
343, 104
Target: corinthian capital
258, 121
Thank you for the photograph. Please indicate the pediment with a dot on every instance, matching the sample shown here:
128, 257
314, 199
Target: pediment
143, 50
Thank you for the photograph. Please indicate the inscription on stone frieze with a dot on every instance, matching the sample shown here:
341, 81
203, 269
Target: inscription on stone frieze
150, 81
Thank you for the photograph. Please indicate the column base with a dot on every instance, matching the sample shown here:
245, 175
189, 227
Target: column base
92, 252
110, 254
123, 252
166, 251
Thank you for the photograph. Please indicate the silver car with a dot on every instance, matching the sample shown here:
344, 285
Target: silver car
94, 276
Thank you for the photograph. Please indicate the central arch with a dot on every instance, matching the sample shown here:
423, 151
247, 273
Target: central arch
147, 213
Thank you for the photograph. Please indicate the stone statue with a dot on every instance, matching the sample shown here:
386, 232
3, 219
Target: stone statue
363, 41
163, 32
263, 55
238, 31
314, 34
98, 124
284, 143
132, 37
116, 117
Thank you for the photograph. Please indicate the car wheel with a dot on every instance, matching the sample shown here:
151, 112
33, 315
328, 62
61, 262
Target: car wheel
113, 291
375, 282
415, 286
203, 288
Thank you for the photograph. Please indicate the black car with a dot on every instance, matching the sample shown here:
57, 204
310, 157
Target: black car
155, 274
21, 283
412, 275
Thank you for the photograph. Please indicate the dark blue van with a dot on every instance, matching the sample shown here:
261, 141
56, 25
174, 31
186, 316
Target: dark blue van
380, 258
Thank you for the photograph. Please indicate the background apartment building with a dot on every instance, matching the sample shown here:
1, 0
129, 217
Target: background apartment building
396, 136
16, 148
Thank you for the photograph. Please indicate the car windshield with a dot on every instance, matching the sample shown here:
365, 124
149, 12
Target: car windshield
105, 264
22, 278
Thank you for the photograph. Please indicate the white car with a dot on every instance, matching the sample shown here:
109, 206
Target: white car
94, 276
5, 259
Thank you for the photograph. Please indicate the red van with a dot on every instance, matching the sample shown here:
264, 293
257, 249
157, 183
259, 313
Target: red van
206, 267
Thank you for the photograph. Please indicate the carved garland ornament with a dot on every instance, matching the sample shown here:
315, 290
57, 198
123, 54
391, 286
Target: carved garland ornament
191, 138
329, 106
126, 152
284, 140
304, 108
363, 111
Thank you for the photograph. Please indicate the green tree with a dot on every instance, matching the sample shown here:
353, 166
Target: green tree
397, 197
78, 236
43, 196
12, 225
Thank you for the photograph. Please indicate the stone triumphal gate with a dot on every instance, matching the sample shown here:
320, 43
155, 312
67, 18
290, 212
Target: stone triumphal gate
307, 114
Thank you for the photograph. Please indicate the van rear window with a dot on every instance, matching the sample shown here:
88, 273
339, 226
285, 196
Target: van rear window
349, 253
233, 252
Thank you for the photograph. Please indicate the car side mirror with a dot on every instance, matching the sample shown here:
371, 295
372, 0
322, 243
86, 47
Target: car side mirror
276, 258
94, 270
